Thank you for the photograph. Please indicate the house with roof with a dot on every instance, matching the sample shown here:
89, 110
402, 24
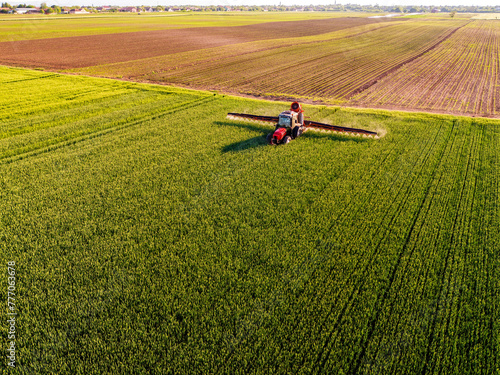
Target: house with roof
27, 10
129, 9
78, 11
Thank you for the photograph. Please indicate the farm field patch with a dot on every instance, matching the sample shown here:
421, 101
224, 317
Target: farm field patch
154, 68
429, 63
436, 65
354, 61
332, 69
486, 16
30, 27
82, 51
138, 216
460, 75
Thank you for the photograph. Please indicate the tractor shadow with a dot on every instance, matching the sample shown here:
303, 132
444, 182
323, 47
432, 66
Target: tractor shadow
247, 144
260, 140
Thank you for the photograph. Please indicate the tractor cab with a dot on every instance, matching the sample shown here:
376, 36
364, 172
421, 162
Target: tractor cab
286, 119
290, 119
289, 126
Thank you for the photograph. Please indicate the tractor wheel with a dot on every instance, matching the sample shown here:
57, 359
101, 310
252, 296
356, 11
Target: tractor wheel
270, 138
287, 139
296, 132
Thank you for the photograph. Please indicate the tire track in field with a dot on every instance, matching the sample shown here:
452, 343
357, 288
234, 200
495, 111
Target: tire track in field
326, 347
447, 276
318, 254
490, 261
305, 272
69, 114
398, 66
347, 208
421, 326
357, 361
476, 153
77, 137
321, 362
396, 350
495, 219
299, 274
52, 75
417, 215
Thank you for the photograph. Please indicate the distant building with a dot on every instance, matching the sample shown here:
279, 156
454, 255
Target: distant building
27, 10
78, 11
129, 9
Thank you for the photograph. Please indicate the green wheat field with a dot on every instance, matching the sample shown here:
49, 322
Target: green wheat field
150, 234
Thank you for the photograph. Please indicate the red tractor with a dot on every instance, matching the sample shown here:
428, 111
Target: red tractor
291, 124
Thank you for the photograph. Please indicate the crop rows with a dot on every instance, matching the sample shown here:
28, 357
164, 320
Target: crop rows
182, 232
440, 65
89, 109
149, 68
24, 28
446, 66
461, 75
333, 70
90, 50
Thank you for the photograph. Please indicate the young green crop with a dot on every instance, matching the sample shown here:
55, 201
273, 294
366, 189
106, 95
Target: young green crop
153, 235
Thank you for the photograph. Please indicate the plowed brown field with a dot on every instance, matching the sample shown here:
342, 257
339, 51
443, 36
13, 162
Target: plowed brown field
83, 51
432, 65
459, 76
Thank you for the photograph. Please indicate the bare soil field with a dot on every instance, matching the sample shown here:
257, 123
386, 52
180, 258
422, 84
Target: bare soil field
84, 51
432, 65
331, 67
